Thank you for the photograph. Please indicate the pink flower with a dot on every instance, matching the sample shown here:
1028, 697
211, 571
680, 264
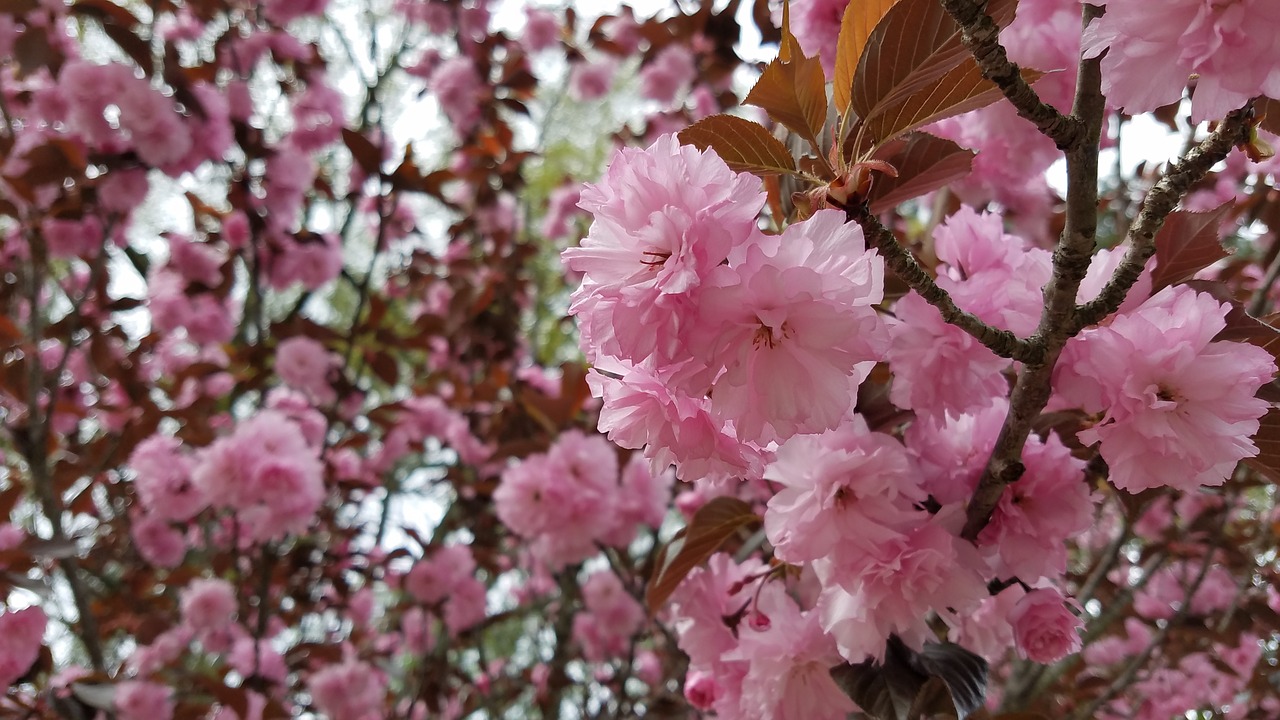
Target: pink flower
304, 364
1045, 630
987, 630
937, 367
665, 217
642, 411
701, 689
157, 542
816, 24
541, 29
801, 307
789, 668
457, 85
162, 478
845, 489
1231, 45
1179, 407
311, 264
434, 579
21, 637
208, 604
563, 499
891, 587
610, 619
669, 73
138, 700
354, 689
592, 80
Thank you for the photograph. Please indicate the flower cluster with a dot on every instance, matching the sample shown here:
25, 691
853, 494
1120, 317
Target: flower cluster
692, 315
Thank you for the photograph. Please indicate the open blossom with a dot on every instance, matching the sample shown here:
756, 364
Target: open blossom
1045, 630
664, 218
304, 364
563, 499
799, 306
845, 489
611, 618
208, 604
1230, 44
353, 689
890, 588
139, 700
789, 668
1179, 407
21, 636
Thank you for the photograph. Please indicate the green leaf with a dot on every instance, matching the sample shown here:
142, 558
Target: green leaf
711, 526
743, 145
1187, 243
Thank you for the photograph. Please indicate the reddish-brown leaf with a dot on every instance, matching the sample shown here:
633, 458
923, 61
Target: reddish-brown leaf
924, 163
915, 44
745, 146
959, 91
1188, 243
1269, 109
1267, 439
365, 153
712, 525
1242, 327
794, 94
860, 18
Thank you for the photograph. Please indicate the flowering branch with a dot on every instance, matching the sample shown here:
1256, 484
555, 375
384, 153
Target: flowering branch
981, 36
1163, 198
899, 259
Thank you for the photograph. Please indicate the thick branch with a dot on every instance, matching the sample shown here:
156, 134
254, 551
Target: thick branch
899, 259
981, 36
1070, 263
1163, 198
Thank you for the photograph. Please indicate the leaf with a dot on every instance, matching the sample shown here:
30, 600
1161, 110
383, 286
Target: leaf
884, 691
1267, 461
363, 151
1186, 244
1242, 327
794, 94
1269, 109
959, 91
915, 44
788, 45
907, 683
100, 696
743, 145
712, 525
963, 672
860, 18
924, 163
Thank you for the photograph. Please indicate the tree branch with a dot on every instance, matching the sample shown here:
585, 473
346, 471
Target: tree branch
1160, 201
1071, 260
981, 36
899, 259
